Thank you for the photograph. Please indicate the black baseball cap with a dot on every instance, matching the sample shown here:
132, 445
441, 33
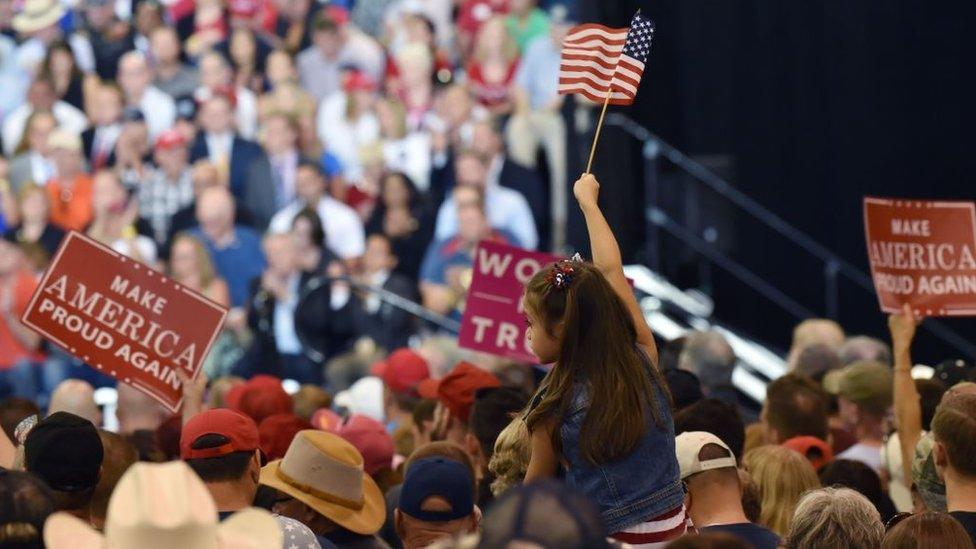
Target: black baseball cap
64, 451
437, 477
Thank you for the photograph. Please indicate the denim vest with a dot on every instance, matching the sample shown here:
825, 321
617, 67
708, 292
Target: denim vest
638, 487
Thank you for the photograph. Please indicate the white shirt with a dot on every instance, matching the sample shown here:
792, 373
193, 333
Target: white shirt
868, 455
286, 339
219, 147
68, 118
373, 301
506, 208
105, 138
159, 109
410, 155
344, 233
342, 137
247, 113
144, 245
31, 53
245, 109
42, 169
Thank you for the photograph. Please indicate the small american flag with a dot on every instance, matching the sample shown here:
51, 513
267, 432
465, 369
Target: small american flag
596, 58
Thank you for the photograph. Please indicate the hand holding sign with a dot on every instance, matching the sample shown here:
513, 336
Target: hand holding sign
123, 318
902, 327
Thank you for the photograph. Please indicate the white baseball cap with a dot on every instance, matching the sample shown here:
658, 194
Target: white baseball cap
688, 446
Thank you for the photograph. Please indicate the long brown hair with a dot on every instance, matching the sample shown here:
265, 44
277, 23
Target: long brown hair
598, 346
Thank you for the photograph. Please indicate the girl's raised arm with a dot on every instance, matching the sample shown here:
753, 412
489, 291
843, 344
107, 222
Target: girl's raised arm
606, 257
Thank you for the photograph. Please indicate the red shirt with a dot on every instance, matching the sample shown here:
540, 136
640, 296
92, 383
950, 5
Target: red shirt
487, 93
11, 349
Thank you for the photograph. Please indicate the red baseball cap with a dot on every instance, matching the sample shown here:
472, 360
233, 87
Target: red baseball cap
240, 429
263, 396
325, 419
276, 433
456, 390
371, 439
815, 450
402, 371
338, 14
358, 81
170, 139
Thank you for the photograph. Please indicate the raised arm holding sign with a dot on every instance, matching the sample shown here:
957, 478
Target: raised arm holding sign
123, 318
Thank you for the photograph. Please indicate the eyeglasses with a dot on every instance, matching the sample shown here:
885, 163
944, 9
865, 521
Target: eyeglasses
893, 521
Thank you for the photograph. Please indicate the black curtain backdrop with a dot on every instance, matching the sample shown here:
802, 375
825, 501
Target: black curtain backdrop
816, 104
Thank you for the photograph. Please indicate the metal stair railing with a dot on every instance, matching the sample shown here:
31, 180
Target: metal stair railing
654, 148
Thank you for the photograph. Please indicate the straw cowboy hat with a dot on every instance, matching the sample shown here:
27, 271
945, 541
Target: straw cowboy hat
37, 15
164, 506
326, 473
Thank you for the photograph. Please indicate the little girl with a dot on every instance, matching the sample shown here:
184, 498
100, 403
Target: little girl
603, 412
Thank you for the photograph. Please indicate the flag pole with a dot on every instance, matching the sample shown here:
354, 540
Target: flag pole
599, 126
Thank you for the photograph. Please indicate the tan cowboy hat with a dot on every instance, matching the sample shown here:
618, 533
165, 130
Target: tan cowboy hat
37, 15
326, 473
164, 506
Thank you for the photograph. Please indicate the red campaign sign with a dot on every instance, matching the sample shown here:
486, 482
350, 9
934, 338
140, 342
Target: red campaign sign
123, 318
922, 253
493, 317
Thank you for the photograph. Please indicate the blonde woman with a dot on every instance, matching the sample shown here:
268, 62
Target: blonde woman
346, 120
782, 476
287, 96
510, 459
403, 150
492, 67
190, 265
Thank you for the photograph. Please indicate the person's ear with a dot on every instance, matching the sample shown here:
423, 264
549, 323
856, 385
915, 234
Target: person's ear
941, 459
256, 467
476, 519
473, 448
398, 523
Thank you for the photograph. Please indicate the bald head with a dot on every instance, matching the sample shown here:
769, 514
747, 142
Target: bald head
138, 411
215, 212
815, 331
134, 75
77, 397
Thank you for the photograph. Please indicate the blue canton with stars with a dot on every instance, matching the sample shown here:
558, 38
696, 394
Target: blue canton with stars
638, 43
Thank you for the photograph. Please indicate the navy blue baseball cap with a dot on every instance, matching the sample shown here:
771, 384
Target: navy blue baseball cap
437, 477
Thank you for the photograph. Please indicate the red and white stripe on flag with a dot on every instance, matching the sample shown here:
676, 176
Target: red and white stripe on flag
593, 61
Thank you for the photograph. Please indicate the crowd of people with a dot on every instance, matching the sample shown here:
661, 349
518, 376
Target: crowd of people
300, 163
293, 160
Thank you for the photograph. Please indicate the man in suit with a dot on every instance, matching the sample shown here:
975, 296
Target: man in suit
502, 170
388, 326
298, 321
485, 140
241, 162
99, 140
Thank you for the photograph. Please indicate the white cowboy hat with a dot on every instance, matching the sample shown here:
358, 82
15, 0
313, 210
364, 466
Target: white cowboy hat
164, 506
38, 14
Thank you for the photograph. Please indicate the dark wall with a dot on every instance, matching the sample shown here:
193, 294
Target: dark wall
817, 104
